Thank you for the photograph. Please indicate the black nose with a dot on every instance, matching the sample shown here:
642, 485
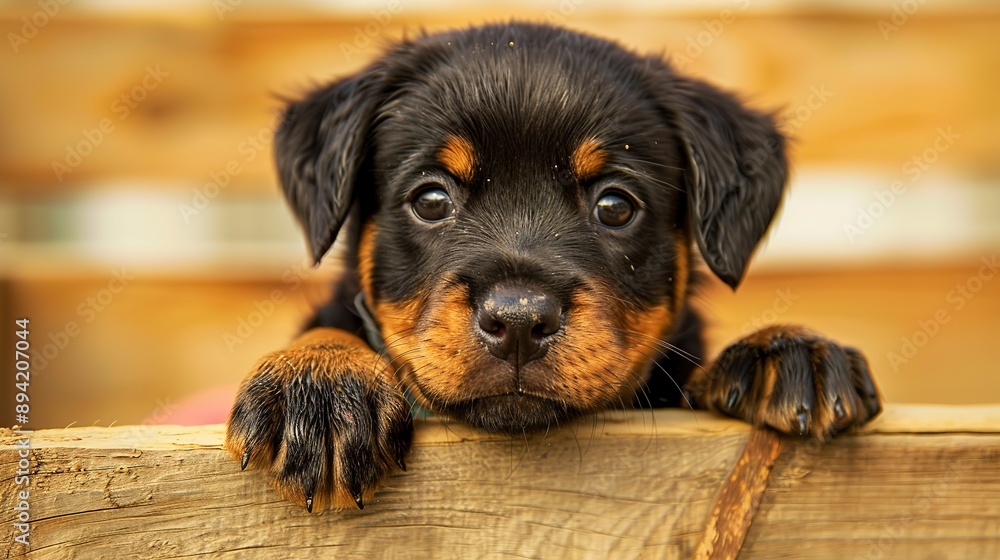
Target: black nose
517, 322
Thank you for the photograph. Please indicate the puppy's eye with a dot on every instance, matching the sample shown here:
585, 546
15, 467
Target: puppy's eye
433, 205
614, 209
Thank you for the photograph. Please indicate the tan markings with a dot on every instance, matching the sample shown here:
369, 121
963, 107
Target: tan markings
458, 157
347, 344
764, 386
588, 159
588, 367
366, 263
433, 339
648, 327
645, 326
451, 354
823, 415
683, 270
398, 322
603, 359
767, 335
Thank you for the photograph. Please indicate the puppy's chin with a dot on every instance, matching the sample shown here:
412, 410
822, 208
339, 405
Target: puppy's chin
511, 413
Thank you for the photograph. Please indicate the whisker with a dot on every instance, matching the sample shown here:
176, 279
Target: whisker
643, 388
695, 360
398, 356
514, 467
395, 338
383, 352
680, 390
646, 176
655, 164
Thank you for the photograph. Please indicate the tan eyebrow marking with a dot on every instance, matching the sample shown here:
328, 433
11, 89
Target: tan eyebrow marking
458, 157
588, 159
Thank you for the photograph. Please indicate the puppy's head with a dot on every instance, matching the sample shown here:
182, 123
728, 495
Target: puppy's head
528, 197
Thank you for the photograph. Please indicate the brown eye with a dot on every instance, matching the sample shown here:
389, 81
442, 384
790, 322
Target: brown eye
433, 205
614, 210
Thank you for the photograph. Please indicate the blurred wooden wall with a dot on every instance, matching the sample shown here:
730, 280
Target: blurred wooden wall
846, 93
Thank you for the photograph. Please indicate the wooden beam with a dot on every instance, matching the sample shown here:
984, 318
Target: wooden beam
920, 480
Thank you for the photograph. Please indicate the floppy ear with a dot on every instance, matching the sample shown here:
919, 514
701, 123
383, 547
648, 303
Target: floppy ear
320, 149
735, 174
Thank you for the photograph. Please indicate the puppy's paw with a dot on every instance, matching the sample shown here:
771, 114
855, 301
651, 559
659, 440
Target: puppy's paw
323, 419
792, 380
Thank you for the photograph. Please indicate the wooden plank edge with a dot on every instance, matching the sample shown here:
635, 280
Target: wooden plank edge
935, 419
896, 419
432, 431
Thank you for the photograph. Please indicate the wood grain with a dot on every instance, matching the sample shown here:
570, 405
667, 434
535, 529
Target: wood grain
621, 485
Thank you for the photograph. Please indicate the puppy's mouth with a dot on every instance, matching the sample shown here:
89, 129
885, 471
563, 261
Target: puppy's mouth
511, 413
459, 363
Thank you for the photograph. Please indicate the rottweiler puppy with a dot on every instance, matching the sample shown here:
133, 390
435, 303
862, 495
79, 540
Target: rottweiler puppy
520, 206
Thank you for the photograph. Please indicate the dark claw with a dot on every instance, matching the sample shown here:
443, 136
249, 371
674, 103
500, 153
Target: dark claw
870, 397
838, 409
734, 394
803, 420
309, 504
874, 407
687, 398
401, 464
245, 460
359, 501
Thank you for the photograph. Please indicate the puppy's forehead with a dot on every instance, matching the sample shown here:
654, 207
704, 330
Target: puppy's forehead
516, 102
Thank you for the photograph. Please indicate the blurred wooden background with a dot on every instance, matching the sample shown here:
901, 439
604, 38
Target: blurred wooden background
183, 92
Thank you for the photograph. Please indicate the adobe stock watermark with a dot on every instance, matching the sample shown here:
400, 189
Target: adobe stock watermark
901, 13
695, 45
292, 279
21, 493
563, 11
31, 25
87, 311
957, 299
793, 120
649, 271
248, 150
138, 433
122, 106
925, 499
783, 301
913, 168
607, 476
754, 159
364, 35
224, 7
